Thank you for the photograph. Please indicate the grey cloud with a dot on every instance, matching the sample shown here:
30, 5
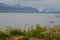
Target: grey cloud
35, 3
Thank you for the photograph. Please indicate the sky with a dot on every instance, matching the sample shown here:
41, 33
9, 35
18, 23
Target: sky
39, 4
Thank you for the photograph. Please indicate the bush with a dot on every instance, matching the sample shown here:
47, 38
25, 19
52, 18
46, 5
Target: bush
3, 36
37, 32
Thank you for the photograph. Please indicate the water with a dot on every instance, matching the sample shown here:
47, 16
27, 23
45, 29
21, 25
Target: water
20, 19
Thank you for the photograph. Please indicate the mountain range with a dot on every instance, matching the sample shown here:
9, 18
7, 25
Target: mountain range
50, 10
17, 8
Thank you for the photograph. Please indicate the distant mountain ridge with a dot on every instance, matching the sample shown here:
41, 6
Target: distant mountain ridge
50, 10
17, 9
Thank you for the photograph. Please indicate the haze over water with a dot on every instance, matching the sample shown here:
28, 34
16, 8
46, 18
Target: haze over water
20, 19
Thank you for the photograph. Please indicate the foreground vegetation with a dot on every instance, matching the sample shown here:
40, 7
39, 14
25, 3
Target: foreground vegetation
33, 33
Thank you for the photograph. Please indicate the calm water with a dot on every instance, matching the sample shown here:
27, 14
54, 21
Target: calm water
20, 19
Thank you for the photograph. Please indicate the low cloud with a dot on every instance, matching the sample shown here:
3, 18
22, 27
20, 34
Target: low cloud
35, 3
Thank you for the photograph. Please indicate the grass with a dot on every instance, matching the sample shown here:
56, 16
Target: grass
37, 33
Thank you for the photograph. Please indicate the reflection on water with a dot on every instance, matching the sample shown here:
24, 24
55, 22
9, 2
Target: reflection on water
20, 19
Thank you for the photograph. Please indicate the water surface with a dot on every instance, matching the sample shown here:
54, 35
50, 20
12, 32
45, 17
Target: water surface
20, 19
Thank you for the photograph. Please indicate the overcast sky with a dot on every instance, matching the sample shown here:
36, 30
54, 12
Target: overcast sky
35, 3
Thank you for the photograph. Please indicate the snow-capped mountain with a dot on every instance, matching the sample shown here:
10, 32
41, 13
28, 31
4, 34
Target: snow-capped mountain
50, 10
17, 8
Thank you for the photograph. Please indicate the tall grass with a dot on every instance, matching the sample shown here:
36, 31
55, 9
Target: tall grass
37, 32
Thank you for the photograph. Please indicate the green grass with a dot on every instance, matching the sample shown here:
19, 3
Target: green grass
37, 32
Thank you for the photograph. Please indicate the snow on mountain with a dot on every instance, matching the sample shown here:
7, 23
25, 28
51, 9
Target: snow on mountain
50, 10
